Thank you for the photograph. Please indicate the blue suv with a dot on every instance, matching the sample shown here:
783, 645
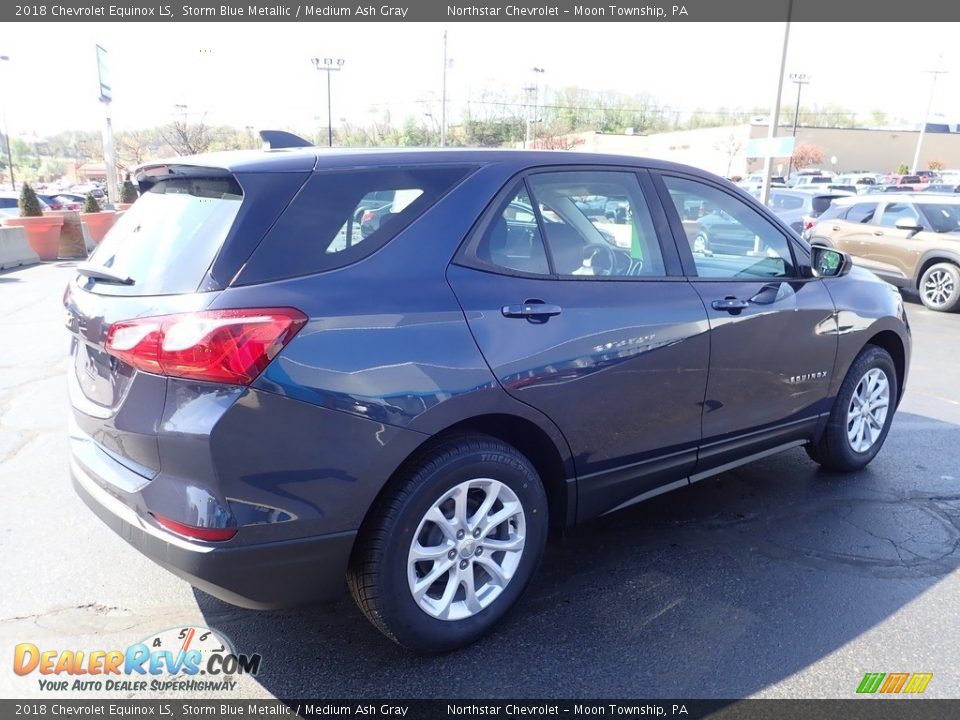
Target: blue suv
268, 398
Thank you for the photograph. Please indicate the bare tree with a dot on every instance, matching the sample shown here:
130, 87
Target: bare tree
730, 147
186, 138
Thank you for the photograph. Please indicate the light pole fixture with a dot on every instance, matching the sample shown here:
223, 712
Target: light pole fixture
329, 65
6, 132
798, 79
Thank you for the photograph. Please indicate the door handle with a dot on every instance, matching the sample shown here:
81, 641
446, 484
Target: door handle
878, 232
835, 227
533, 310
731, 304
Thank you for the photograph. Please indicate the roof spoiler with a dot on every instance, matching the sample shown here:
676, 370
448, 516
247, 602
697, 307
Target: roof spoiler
277, 139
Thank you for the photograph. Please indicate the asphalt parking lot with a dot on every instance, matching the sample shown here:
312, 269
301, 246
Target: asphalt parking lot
775, 580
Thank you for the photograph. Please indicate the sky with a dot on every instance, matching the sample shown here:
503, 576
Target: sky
260, 74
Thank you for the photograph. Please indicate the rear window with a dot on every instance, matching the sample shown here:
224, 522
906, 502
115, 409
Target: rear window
821, 202
340, 217
167, 240
861, 213
781, 201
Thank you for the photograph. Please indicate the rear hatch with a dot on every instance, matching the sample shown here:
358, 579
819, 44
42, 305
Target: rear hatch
157, 260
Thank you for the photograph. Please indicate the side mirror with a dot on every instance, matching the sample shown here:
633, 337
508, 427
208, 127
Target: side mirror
908, 224
827, 262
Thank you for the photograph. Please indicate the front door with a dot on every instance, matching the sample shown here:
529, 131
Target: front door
772, 333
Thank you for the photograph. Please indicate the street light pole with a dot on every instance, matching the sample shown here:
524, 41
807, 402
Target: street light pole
926, 116
775, 120
443, 97
538, 71
800, 80
6, 132
329, 65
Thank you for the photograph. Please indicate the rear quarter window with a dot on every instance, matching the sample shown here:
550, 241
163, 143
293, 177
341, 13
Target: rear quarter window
340, 217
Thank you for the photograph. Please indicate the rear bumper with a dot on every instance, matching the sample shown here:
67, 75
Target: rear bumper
259, 576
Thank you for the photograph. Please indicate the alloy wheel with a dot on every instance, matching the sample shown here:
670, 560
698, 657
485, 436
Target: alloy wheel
466, 549
939, 288
868, 408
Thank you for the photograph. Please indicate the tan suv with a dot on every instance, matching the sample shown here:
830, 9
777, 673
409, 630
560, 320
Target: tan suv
911, 240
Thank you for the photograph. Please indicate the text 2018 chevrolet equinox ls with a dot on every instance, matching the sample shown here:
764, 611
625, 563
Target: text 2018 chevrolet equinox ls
267, 399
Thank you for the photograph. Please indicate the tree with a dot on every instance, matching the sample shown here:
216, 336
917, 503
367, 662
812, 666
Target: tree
187, 138
90, 205
936, 165
29, 203
806, 155
558, 142
903, 169
128, 192
730, 147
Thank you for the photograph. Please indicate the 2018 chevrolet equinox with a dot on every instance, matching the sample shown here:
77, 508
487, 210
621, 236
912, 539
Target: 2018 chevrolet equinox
268, 397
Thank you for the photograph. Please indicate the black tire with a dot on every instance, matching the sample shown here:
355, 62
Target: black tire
950, 274
378, 572
833, 450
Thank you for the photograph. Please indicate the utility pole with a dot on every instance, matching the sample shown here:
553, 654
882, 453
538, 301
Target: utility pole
6, 131
538, 71
110, 153
775, 120
443, 97
926, 116
329, 65
529, 90
800, 80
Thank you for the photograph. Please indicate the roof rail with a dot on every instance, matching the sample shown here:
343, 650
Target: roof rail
277, 139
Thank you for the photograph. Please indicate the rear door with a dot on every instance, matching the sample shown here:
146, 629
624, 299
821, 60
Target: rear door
591, 322
772, 338
850, 232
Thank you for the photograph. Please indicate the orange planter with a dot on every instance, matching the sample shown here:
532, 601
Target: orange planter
43, 233
98, 223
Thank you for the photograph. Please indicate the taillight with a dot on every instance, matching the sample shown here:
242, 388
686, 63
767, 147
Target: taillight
808, 224
226, 346
196, 533
367, 216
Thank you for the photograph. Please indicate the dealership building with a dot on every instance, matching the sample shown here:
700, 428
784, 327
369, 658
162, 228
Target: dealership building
723, 150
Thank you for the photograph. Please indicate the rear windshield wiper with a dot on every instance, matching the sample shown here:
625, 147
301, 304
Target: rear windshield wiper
103, 274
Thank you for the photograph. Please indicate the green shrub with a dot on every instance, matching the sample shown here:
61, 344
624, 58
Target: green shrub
904, 169
128, 191
29, 202
90, 205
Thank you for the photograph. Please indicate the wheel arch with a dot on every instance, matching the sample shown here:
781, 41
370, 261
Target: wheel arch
891, 342
934, 257
552, 463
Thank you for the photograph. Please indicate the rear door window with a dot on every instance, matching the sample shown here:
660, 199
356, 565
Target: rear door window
340, 217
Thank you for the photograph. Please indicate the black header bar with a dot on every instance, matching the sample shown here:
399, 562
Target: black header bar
451, 11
